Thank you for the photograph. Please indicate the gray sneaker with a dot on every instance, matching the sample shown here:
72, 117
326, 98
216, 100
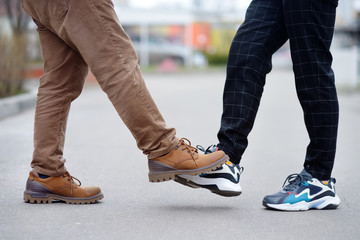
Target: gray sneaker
304, 192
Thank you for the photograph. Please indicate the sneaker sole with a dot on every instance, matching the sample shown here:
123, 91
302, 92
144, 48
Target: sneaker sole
213, 188
323, 203
160, 172
33, 197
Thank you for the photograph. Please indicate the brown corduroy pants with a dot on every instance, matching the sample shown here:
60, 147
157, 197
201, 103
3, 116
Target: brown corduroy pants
76, 35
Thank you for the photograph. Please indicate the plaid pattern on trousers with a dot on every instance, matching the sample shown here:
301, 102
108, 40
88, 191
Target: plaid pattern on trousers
309, 27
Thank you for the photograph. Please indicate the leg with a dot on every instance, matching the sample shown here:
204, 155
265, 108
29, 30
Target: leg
262, 33
310, 25
73, 34
108, 50
91, 28
65, 72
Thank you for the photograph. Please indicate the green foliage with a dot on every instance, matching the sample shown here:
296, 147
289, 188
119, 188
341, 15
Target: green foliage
13, 48
216, 59
12, 64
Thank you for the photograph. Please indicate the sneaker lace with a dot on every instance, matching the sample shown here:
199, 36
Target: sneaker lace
201, 148
71, 180
206, 151
210, 149
294, 181
190, 149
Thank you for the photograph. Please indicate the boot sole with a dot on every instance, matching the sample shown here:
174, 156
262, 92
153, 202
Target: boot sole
33, 197
160, 172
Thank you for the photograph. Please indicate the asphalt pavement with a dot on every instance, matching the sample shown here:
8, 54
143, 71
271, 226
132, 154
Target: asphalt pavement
101, 151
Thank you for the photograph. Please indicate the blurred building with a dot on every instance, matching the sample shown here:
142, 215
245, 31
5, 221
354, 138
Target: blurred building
185, 31
347, 12
346, 44
4, 24
182, 31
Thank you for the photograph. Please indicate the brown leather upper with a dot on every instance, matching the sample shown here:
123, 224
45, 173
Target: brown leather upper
184, 156
65, 186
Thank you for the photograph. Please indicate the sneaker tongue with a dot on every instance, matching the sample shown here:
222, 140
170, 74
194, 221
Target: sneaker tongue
305, 174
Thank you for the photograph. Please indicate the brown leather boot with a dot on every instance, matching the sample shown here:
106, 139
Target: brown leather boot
62, 188
184, 159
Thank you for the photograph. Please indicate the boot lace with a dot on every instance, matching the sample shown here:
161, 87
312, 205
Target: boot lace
71, 180
185, 144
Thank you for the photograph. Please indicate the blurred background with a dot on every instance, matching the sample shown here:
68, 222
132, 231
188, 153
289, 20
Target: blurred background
182, 47
171, 36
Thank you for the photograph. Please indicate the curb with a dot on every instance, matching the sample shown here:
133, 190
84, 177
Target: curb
10, 106
16, 104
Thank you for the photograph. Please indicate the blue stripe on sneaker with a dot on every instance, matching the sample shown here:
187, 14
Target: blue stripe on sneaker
292, 199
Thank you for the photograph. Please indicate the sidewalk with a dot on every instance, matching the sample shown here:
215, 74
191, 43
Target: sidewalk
133, 208
16, 104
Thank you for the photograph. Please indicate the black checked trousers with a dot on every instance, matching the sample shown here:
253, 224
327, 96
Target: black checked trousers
309, 27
